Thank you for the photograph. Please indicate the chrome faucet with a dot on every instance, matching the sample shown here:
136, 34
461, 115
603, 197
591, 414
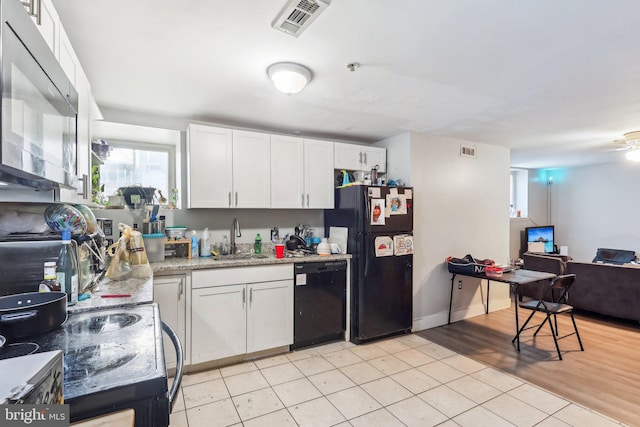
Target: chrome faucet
235, 232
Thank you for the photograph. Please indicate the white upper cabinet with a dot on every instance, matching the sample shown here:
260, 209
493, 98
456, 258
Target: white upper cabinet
318, 173
301, 173
287, 172
47, 21
372, 156
67, 58
347, 156
359, 157
209, 167
251, 169
227, 168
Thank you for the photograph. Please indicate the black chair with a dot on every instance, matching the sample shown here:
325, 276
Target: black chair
552, 302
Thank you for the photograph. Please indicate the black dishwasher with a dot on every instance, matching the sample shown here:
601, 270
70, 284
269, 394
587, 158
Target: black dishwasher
319, 302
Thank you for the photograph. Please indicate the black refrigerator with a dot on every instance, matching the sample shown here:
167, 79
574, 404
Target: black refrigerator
380, 238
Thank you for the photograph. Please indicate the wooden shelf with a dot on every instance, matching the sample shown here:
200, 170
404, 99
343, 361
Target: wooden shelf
187, 242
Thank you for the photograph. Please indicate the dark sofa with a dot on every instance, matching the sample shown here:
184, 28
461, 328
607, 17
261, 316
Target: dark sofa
612, 290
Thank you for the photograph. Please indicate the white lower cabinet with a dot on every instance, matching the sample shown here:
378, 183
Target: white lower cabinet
240, 310
169, 292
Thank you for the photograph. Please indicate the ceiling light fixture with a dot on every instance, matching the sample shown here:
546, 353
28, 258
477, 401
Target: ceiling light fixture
633, 154
632, 139
289, 77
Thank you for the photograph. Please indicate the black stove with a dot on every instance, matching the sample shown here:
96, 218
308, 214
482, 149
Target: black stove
18, 349
113, 360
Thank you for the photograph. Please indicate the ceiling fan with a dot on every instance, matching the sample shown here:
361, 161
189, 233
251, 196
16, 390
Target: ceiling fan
630, 144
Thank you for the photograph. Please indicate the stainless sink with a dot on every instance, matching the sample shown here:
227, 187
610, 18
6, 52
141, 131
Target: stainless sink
239, 256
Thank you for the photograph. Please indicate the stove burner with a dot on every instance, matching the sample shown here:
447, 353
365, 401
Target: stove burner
95, 360
104, 324
18, 349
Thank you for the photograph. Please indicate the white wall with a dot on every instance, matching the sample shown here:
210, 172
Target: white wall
398, 157
596, 206
461, 206
537, 195
252, 221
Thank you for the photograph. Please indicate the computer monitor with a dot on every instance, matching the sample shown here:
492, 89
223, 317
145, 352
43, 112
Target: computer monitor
544, 235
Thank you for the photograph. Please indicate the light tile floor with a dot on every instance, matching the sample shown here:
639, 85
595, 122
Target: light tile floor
402, 381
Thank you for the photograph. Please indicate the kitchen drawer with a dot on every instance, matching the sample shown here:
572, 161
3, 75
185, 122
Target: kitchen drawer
240, 275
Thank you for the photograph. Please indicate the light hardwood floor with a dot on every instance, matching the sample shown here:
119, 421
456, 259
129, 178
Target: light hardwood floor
605, 377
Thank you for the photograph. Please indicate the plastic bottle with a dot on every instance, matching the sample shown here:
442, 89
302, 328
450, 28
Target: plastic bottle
225, 245
67, 269
194, 244
257, 245
49, 283
205, 247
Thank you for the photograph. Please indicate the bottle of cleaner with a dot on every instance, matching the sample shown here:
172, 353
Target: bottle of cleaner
194, 244
205, 246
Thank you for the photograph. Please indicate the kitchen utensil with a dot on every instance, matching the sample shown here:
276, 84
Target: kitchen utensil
32, 313
65, 217
296, 242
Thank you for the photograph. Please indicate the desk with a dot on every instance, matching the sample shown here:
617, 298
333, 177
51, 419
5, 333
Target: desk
514, 279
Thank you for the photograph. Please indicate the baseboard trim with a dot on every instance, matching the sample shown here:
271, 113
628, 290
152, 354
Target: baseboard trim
440, 318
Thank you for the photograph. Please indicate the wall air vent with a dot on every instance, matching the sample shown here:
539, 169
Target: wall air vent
297, 15
468, 151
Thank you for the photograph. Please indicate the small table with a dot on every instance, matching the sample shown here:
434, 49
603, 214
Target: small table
515, 279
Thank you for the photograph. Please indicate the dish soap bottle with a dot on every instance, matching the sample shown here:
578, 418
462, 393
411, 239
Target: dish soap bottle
257, 246
194, 244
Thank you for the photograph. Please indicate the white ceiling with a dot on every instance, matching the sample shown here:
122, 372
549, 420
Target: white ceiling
557, 81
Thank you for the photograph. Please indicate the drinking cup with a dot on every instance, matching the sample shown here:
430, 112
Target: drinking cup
279, 250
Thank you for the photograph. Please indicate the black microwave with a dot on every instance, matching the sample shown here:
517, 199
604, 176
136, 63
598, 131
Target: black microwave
38, 146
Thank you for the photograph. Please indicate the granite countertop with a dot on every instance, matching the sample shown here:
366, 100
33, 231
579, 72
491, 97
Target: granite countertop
141, 291
173, 264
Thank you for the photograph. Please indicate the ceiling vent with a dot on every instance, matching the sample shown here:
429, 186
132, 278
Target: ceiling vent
468, 151
297, 15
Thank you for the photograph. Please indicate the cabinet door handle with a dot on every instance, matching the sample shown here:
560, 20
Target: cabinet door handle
250, 295
29, 4
365, 158
360, 157
236, 199
229, 198
39, 13
244, 296
180, 290
303, 200
85, 186
307, 199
